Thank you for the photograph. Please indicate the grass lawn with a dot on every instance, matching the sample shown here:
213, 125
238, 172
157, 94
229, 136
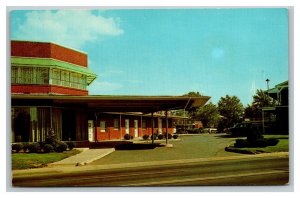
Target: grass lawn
188, 147
282, 146
34, 160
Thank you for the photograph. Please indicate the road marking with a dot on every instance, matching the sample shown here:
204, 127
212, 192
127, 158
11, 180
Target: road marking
205, 178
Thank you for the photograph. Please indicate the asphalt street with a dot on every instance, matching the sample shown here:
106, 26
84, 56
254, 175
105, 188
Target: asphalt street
272, 170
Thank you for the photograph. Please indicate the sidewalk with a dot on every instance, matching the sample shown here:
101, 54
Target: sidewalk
83, 158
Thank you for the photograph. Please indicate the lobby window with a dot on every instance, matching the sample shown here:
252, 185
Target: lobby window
65, 78
14, 75
56, 77
116, 124
102, 126
42, 75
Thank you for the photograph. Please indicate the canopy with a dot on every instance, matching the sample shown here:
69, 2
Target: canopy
145, 104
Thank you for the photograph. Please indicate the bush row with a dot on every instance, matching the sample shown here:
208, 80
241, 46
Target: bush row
263, 142
42, 147
160, 136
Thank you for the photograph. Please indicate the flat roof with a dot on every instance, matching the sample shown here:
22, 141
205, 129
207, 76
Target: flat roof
111, 103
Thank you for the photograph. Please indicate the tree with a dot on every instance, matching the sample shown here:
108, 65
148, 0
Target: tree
208, 115
260, 100
193, 94
231, 110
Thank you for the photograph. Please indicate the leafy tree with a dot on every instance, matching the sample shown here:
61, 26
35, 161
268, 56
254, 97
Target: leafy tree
208, 115
231, 110
193, 94
260, 100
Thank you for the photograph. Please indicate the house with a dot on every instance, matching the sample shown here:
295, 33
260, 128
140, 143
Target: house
49, 90
280, 112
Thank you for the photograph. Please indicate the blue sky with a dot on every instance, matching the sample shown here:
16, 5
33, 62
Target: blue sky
169, 51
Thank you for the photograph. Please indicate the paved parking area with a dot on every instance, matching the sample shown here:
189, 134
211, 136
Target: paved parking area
188, 147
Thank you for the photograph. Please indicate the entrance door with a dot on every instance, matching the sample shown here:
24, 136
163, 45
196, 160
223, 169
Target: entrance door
127, 126
91, 130
136, 128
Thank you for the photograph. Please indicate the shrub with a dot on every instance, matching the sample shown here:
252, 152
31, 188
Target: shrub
153, 137
17, 147
52, 141
241, 143
71, 145
169, 136
160, 136
34, 147
145, 137
127, 137
260, 143
25, 146
175, 136
254, 135
61, 147
48, 148
272, 141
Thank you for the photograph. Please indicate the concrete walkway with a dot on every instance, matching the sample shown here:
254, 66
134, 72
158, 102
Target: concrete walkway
86, 156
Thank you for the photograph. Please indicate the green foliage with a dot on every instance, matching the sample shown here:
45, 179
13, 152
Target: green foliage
160, 136
241, 143
272, 141
71, 145
208, 115
145, 137
153, 137
61, 147
17, 147
169, 136
127, 137
231, 110
48, 148
25, 146
254, 134
34, 147
193, 94
260, 99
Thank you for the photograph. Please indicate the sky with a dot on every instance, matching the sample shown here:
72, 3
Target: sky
169, 51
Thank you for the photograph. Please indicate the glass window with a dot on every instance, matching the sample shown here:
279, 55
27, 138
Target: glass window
102, 126
65, 78
42, 75
116, 124
14, 74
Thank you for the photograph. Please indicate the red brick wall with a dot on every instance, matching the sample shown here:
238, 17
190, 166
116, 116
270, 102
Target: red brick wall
46, 89
48, 50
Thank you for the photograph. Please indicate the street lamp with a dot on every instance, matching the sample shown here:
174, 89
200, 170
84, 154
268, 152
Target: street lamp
268, 83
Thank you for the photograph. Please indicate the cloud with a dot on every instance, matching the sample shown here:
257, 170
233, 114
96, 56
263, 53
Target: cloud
68, 27
104, 87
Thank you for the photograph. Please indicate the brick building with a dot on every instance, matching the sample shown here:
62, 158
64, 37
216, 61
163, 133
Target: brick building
49, 89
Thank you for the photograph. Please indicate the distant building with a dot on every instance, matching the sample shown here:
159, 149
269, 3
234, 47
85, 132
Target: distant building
49, 90
280, 112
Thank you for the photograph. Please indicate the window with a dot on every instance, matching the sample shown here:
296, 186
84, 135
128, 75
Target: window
144, 124
26, 75
116, 124
42, 75
56, 77
65, 78
14, 74
102, 126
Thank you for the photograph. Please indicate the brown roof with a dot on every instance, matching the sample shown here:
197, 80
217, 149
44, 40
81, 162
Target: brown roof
145, 104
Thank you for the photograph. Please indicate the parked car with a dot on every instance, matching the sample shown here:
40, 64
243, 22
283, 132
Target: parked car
242, 129
210, 130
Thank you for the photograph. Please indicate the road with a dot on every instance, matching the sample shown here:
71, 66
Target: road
270, 170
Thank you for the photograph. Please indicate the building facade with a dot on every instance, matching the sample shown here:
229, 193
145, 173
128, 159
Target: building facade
49, 90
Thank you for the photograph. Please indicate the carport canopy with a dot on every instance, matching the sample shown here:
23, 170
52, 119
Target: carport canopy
145, 104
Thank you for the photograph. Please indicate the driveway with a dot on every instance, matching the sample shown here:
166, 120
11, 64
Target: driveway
187, 147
